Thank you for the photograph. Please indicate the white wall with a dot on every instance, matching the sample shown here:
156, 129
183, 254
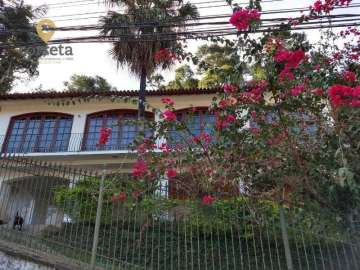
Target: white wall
11, 108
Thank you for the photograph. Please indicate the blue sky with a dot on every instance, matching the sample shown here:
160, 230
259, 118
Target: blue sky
93, 59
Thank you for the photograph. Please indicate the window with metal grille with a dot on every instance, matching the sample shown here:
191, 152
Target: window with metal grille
124, 131
38, 132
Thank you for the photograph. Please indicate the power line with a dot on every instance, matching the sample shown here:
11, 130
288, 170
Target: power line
166, 25
97, 2
266, 12
178, 36
184, 25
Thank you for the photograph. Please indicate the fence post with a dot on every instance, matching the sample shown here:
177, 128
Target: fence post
285, 238
97, 221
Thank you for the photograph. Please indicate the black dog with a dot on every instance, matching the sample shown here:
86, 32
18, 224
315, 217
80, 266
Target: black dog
18, 222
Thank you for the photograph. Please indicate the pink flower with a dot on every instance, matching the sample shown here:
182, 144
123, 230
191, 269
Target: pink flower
223, 103
318, 91
340, 95
255, 131
349, 76
208, 199
229, 88
285, 74
105, 134
140, 168
169, 115
282, 56
165, 148
355, 103
202, 137
243, 18
220, 124
230, 118
289, 58
142, 148
171, 173
297, 90
253, 114
317, 67
168, 101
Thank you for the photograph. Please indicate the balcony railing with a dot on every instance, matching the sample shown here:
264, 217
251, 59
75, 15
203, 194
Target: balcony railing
75, 142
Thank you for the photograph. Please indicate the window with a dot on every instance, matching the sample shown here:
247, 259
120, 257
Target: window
196, 122
40, 132
123, 132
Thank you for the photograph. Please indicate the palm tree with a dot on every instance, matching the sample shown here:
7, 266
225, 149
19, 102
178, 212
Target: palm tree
145, 27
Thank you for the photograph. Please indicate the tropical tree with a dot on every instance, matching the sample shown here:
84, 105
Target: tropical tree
18, 62
82, 83
184, 78
219, 64
144, 29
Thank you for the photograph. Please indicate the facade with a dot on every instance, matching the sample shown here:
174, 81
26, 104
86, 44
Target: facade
65, 128
62, 127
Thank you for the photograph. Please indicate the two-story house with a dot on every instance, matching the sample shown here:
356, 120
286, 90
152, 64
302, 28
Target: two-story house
65, 126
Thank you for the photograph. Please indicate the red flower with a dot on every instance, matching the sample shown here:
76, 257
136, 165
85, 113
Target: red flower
140, 168
208, 199
342, 95
164, 55
105, 134
171, 173
349, 76
120, 197
242, 18
169, 115
168, 101
229, 88
297, 90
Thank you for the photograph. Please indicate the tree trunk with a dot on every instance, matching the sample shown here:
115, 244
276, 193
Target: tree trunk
142, 94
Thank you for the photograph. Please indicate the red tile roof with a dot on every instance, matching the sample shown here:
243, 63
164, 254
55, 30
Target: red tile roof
124, 93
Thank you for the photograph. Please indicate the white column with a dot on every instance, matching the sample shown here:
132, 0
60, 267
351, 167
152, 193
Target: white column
77, 132
159, 141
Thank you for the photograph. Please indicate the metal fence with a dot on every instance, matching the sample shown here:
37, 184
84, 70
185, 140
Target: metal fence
74, 213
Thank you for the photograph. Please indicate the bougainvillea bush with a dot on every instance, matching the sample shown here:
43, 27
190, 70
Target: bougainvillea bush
289, 134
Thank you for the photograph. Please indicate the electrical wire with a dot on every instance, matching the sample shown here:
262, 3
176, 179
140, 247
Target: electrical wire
177, 36
97, 2
266, 12
183, 25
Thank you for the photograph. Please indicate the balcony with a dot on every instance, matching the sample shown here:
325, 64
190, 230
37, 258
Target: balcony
66, 143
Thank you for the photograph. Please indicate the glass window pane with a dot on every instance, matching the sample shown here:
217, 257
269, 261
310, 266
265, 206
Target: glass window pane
37, 133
